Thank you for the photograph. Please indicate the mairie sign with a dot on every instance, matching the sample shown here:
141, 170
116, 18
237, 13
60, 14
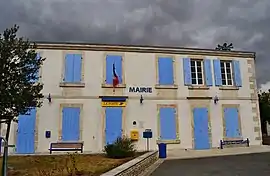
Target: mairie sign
113, 104
140, 89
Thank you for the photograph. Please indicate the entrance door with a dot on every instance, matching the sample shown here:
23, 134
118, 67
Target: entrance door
201, 137
113, 128
231, 123
26, 133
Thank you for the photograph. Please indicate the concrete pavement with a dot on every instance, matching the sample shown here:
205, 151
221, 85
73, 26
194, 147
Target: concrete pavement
214, 162
237, 165
184, 154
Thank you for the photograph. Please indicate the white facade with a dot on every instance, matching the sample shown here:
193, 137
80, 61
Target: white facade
140, 70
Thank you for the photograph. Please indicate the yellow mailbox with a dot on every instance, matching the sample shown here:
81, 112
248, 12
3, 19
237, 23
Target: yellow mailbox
134, 135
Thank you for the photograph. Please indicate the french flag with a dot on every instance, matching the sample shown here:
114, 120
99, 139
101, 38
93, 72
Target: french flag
115, 77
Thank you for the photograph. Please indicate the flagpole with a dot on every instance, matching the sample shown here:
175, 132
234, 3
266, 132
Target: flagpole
114, 77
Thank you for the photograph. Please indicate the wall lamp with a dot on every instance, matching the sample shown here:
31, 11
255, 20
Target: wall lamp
49, 98
216, 99
141, 100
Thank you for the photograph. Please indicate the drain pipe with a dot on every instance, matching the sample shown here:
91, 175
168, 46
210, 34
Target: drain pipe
5, 155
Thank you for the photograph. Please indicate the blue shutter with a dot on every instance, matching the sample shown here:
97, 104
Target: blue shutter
35, 76
77, 65
69, 71
208, 72
165, 71
71, 124
65, 124
76, 123
237, 73
217, 71
109, 69
118, 67
110, 60
187, 71
167, 123
37, 73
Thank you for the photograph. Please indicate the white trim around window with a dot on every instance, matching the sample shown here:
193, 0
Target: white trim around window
226, 73
197, 72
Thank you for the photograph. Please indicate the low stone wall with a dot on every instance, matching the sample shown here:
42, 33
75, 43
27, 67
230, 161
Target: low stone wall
135, 166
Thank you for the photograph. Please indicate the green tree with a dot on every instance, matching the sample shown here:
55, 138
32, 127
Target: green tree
19, 68
264, 104
225, 47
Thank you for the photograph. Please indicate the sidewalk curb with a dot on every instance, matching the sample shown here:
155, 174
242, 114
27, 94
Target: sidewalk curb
135, 166
216, 155
152, 168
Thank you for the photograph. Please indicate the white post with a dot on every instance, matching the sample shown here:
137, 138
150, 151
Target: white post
268, 128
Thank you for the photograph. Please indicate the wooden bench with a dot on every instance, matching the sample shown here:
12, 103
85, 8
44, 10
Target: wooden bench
66, 146
227, 143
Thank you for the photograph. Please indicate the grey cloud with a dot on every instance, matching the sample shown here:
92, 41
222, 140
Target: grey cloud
192, 23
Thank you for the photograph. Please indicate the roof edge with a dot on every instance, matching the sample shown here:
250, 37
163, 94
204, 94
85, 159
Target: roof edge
141, 48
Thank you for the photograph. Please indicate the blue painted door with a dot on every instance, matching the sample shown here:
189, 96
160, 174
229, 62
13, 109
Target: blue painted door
167, 123
25, 143
231, 123
71, 124
201, 137
113, 127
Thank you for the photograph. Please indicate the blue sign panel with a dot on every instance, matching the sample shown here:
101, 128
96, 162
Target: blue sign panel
147, 133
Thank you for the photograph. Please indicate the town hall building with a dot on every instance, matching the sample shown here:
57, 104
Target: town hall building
188, 98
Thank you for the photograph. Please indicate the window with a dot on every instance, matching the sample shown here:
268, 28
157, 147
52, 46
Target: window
231, 120
197, 72
165, 71
71, 123
226, 73
73, 68
114, 68
168, 130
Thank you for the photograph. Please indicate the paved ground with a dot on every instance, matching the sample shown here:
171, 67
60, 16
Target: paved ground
237, 165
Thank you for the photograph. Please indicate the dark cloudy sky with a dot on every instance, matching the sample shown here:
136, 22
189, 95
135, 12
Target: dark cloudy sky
185, 23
